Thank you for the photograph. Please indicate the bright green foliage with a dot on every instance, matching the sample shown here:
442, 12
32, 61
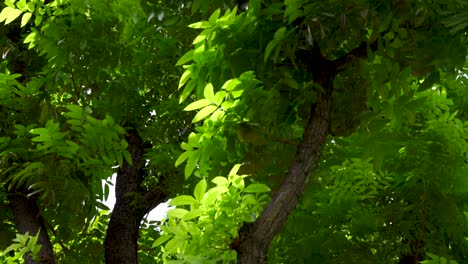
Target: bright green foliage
208, 86
23, 244
202, 233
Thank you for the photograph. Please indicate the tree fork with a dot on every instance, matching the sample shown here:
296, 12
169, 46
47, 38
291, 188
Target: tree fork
255, 240
131, 204
29, 219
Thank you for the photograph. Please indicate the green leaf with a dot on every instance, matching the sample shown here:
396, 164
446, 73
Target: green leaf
185, 146
182, 200
25, 19
192, 214
182, 157
185, 77
9, 14
214, 193
201, 24
217, 115
209, 92
214, 16
191, 163
197, 105
161, 240
231, 84
76, 111
219, 97
279, 34
177, 213
194, 140
220, 181
30, 39
256, 188
185, 58
204, 113
234, 169
12, 247
269, 48
38, 20
21, 4
187, 90
200, 190
202, 36
237, 181
123, 144
30, 7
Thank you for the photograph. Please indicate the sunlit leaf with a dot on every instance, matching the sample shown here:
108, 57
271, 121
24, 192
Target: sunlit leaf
200, 189
256, 188
204, 113
182, 200
197, 105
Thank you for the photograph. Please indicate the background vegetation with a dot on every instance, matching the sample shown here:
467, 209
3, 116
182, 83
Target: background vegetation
294, 131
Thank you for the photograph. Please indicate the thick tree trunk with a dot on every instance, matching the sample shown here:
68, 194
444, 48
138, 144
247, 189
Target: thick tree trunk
132, 203
29, 219
254, 241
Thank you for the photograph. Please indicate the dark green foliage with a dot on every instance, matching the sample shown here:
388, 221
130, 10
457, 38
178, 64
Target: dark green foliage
225, 88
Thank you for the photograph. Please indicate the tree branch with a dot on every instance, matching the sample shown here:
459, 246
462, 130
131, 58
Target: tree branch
254, 241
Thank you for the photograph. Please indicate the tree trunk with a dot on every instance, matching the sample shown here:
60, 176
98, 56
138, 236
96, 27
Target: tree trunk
132, 203
28, 219
254, 241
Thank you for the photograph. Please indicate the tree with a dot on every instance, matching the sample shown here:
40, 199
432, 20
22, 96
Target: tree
365, 98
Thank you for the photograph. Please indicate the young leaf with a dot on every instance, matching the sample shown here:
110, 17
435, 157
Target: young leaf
25, 19
9, 14
209, 92
219, 97
200, 190
234, 170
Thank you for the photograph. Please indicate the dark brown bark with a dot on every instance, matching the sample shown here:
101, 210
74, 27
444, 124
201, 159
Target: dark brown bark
254, 241
28, 219
132, 203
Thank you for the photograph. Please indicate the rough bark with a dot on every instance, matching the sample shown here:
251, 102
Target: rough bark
132, 203
28, 219
255, 240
